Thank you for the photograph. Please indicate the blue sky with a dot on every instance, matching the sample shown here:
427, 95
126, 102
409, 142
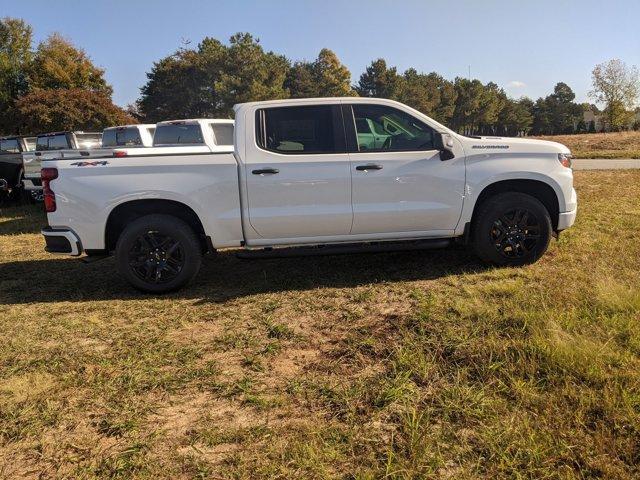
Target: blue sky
525, 47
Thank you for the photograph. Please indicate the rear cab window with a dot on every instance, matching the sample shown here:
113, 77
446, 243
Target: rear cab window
223, 133
121, 137
314, 129
9, 145
178, 134
89, 140
52, 142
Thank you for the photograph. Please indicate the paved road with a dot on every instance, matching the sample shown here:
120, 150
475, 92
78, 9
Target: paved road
605, 163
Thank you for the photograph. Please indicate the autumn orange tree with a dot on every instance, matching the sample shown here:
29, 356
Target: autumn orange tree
54, 87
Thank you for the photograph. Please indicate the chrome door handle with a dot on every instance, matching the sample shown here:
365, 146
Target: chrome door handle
263, 171
371, 166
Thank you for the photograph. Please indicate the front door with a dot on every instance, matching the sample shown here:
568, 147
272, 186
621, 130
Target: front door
401, 185
298, 175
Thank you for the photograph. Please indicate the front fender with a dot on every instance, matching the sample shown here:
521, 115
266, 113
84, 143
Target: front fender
478, 179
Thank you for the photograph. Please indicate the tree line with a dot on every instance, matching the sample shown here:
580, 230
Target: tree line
55, 86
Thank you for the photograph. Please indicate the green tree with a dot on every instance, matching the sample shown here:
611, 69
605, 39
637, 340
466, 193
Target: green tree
324, 77
45, 110
448, 95
187, 72
301, 82
491, 102
515, 117
212, 78
15, 57
57, 63
617, 86
467, 115
565, 113
556, 113
334, 79
250, 74
379, 81
419, 91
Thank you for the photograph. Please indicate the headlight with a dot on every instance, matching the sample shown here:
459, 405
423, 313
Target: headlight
565, 159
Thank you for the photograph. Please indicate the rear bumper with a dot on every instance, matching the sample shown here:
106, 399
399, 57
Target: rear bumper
566, 219
61, 241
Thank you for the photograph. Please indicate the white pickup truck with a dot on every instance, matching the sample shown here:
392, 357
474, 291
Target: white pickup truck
55, 145
301, 173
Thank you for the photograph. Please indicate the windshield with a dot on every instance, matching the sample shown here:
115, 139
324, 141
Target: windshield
178, 134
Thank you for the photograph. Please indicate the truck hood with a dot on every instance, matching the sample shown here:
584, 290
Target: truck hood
473, 145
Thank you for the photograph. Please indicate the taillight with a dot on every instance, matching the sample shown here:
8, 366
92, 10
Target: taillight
48, 174
119, 153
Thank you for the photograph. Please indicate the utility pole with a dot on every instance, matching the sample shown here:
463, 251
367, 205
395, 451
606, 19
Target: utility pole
469, 72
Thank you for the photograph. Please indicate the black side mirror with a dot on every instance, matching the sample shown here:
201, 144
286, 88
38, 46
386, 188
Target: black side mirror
444, 143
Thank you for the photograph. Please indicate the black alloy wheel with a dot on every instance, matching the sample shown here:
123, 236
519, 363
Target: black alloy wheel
156, 258
158, 253
511, 229
515, 233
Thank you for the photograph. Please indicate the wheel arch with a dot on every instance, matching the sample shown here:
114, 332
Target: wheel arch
126, 212
538, 189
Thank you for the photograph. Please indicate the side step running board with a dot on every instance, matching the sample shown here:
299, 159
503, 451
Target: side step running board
321, 250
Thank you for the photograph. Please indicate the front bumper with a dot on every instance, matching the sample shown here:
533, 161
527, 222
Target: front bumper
566, 219
61, 241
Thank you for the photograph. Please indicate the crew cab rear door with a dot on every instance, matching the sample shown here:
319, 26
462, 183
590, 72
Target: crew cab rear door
400, 183
297, 173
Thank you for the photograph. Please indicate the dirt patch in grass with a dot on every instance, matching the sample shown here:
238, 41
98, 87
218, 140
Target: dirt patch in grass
399, 365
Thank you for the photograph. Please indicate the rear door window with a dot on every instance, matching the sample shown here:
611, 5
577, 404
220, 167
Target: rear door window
301, 130
178, 134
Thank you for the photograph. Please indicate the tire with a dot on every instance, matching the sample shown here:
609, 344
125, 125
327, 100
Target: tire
511, 229
158, 253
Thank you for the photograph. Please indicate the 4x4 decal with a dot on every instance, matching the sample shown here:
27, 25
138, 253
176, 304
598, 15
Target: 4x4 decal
90, 164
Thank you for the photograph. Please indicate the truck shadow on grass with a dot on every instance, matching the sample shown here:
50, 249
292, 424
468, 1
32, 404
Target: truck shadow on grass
224, 277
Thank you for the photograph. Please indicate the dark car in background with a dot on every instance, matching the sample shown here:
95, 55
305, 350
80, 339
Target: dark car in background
11, 170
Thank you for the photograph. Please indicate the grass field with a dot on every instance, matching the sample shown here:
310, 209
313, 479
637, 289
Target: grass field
601, 145
401, 365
